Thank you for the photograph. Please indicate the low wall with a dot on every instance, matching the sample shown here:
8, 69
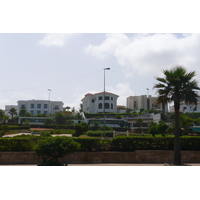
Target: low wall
139, 156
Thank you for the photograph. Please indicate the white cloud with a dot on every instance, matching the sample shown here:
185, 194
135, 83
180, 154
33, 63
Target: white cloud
56, 39
123, 90
149, 54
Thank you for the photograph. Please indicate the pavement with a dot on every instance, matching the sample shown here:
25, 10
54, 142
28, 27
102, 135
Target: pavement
16, 134
109, 164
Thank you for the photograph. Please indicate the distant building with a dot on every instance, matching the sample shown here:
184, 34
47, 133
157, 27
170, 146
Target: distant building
188, 107
35, 107
145, 102
93, 103
8, 107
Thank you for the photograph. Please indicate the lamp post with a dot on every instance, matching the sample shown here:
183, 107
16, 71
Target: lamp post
147, 102
49, 99
104, 100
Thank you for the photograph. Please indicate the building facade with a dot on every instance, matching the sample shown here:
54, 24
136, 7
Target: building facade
94, 103
187, 108
35, 107
145, 102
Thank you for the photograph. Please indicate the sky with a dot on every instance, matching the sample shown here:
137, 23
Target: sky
135, 39
72, 65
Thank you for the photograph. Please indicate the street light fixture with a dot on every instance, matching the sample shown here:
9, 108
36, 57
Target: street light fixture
104, 100
49, 100
147, 100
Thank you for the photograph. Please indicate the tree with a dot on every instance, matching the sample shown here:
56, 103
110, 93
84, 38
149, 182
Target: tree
186, 122
48, 121
1, 114
52, 148
5, 118
22, 112
139, 122
60, 118
177, 86
81, 128
161, 128
12, 112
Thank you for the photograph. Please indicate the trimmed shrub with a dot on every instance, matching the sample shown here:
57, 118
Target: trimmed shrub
99, 133
93, 144
17, 144
52, 148
153, 130
80, 128
45, 134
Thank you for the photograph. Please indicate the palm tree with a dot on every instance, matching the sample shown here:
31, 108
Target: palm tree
177, 86
139, 122
12, 112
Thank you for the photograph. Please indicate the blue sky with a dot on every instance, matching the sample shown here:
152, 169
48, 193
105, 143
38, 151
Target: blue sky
71, 65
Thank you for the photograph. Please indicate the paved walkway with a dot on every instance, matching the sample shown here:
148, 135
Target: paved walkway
111, 164
16, 134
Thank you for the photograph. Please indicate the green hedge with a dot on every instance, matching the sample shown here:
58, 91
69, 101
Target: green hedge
93, 144
121, 143
53, 126
99, 133
17, 144
14, 127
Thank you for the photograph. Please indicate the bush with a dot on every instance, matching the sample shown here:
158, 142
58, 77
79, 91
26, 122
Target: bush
80, 129
153, 130
45, 134
93, 144
99, 133
107, 128
18, 144
51, 148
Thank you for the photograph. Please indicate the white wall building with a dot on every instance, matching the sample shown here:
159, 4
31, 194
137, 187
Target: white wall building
144, 102
188, 107
8, 107
35, 107
93, 103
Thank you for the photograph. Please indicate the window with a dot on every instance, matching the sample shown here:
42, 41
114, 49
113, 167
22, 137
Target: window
111, 98
92, 100
100, 106
107, 98
32, 105
38, 105
38, 112
45, 112
45, 106
56, 107
107, 106
32, 112
23, 107
100, 98
111, 106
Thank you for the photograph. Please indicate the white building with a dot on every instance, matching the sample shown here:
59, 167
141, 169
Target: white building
188, 107
35, 107
8, 107
144, 102
93, 103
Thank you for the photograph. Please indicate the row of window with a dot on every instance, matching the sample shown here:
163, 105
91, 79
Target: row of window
38, 112
39, 106
106, 98
107, 106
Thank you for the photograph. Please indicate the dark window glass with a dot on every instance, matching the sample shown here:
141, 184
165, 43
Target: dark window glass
100, 106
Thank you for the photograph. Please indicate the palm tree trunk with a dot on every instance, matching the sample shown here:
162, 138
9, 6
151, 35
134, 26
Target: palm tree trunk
177, 142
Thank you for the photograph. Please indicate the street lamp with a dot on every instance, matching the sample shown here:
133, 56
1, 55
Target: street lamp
104, 99
147, 100
49, 100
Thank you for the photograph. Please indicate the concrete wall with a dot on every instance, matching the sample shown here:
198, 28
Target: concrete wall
139, 156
